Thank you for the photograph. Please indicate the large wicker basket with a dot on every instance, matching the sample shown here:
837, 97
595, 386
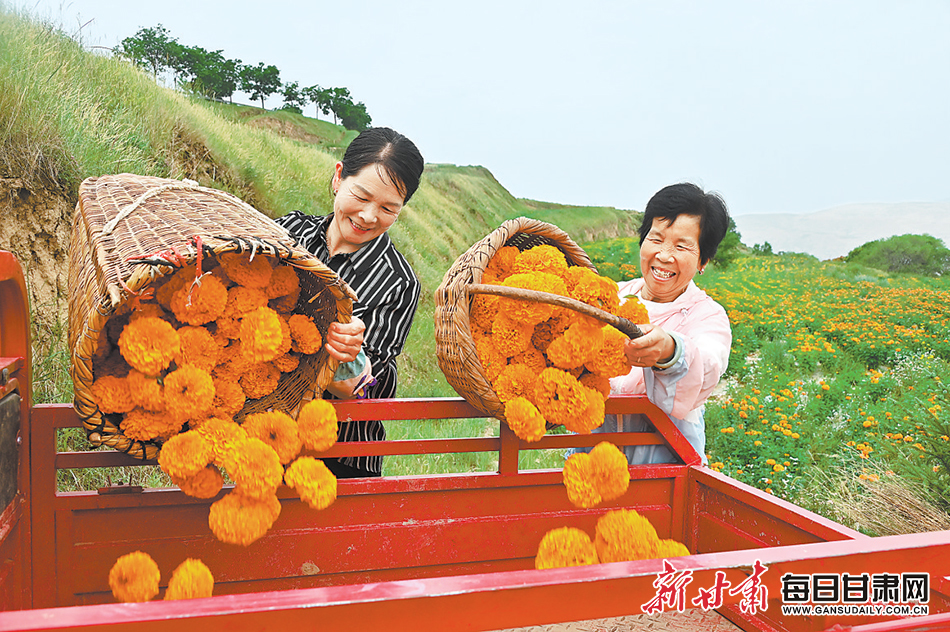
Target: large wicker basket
455, 347
130, 230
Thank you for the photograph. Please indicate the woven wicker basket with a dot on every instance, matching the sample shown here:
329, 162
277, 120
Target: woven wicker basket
455, 347
123, 223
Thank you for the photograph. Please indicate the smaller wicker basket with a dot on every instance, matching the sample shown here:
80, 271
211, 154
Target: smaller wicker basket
124, 229
455, 348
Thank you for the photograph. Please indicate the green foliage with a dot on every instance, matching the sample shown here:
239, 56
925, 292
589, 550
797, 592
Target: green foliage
204, 72
907, 254
763, 249
259, 81
149, 48
294, 98
729, 248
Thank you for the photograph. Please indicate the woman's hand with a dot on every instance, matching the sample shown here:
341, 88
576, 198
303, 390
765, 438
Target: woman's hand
655, 345
344, 340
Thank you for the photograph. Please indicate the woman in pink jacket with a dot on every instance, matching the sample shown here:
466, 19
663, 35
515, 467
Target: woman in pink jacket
685, 348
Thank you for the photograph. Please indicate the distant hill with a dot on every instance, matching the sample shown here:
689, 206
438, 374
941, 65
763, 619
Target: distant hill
836, 231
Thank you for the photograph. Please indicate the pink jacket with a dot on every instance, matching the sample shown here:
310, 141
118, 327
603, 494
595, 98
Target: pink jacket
702, 328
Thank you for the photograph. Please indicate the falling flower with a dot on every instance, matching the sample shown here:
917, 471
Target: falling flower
278, 430
255, 468
317, 425
206, 483
223, 435
578, 475
623, 535
609, 470
671, 548
184, 455
134, 577
313, 481
191, 580
239, 519
565, 546
524, 419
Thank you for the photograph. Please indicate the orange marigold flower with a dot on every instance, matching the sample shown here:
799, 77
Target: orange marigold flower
577, 345
609, 359
287, 363
671, 548
623, 535
228, 327
261, 335
565, 546
515, 380
544, 333
189, 393
243, 300
501, 263
532, 312
510, 337
609, 470
482, 312
595, 382
255, 468
317, 425
222, 435
134, 577
633, 310
241, 269
185, 455
146, 391
229, 397
149, 345
142, 425
304, 332
524, 419
278, 430
260, 380
285, 304
286, 338
191, 580
112, 394
206, 483
198, 348
313, 481
199, 304
492, 361
232, 363
173, 283
532, 358
578, 475
563, 400
543, 258
595, 290
283, 282
239, 519
148, 310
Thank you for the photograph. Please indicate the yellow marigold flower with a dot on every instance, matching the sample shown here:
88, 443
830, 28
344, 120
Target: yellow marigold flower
191, 580
544, 333
142, 425
199, 304
222, 435
206, 483
278, 430
239, 519
543, 258
566, 546
306, 337
198, 348
532, 312
261, 335
770, 461
561, 399
778, 467
149, 345
241, 269
515, 380
633, 310
260, 380
243, 300
578, 475
531, 358
185, 455
189, 393
283, 282
317, 425
577, 345
609, 470
112, 394
671, 548
229, 397
146, 392
509, 336
596, 291
502, 263
313, 481
524, 419
623, 535
599, 383
255, 468
134, 577
609, 359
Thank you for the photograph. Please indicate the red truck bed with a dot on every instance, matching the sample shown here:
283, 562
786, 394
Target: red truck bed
443, 552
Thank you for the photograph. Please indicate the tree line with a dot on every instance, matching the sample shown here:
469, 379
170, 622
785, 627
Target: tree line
211, 75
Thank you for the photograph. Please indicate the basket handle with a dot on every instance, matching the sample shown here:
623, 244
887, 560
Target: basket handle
627, 327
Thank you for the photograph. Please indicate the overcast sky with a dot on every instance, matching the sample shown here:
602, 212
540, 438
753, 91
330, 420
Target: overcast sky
791, 106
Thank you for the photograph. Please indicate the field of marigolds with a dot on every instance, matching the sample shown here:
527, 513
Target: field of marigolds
838, 375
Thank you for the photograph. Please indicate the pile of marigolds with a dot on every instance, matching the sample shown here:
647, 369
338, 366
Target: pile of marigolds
181, 364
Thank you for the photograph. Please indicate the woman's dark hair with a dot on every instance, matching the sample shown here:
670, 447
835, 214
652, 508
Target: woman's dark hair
396, 154
688, 199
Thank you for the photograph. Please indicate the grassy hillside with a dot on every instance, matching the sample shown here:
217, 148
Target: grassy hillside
67, 114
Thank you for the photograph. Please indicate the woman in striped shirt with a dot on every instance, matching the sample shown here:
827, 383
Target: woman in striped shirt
379, 172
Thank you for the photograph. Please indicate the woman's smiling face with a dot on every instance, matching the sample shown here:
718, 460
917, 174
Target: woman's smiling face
366, 205
669, 258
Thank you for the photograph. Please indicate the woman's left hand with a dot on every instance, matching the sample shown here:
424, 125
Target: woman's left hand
655, 345
344, 340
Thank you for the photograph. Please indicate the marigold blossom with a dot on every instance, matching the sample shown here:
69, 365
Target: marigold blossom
255, 467
609, 470
565, 546
198, 348
243, 270
261, 335
578, 476
206, 483
192, 579
317, 425
524, 419
200, 303
146, 391
143, 425
313, 482
278, 430
623, 535
189, 393
134, 577
149, 345
185, 454
260, 380
306, 337
112, 394
239, 519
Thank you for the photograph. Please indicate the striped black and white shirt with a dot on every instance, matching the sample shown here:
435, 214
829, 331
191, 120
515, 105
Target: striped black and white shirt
388, 291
